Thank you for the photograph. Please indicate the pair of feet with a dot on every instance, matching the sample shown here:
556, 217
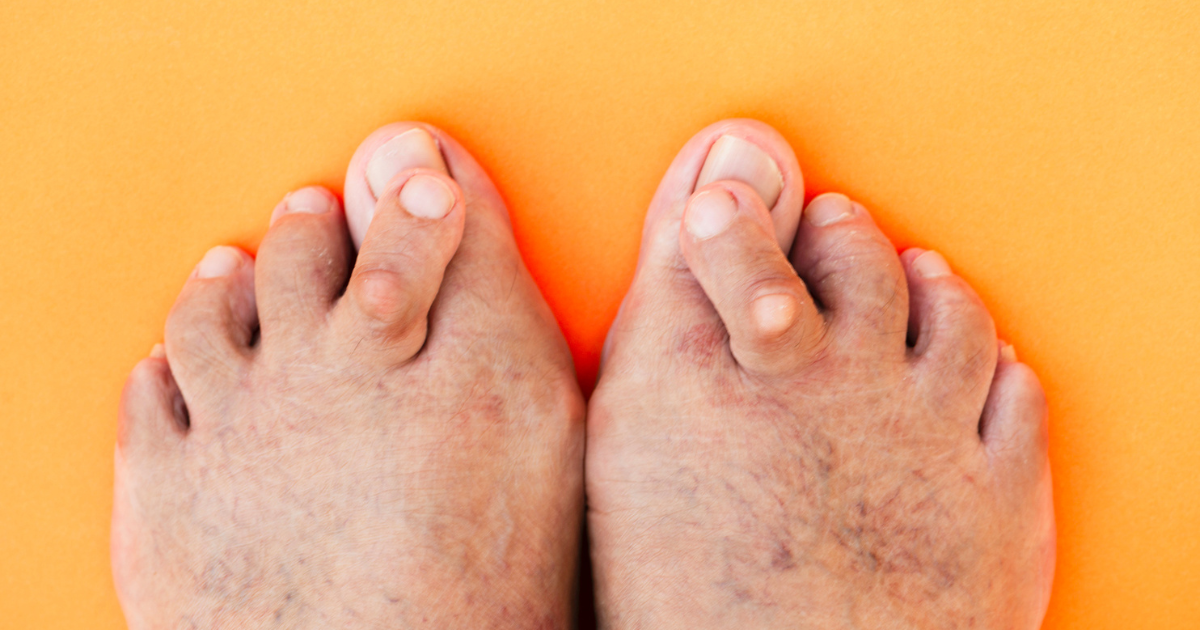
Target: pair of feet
376, 422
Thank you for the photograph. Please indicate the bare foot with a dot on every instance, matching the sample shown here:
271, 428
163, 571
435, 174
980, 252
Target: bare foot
389, 441
765, 450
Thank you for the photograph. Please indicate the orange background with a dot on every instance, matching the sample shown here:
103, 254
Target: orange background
1053, 154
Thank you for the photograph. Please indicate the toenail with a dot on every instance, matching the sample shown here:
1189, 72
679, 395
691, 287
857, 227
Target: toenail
414, 148
931, 265
737, 159
219, 261
828, 209
427, 197
709, 213
1007, 352
773, 314
303, 201
158, 351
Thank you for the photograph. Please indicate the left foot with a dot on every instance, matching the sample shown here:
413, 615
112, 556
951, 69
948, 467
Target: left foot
387, 439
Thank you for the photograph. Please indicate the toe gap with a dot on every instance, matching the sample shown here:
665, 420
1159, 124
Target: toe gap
351, 262
181, 413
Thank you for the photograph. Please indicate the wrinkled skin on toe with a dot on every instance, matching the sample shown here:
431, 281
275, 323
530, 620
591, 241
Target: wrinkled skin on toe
828, 440
385, 439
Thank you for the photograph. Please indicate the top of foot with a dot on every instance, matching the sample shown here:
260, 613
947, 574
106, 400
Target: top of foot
828, 439
335, 435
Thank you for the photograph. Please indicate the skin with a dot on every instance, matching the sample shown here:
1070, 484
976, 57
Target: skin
339, 442
830, 439
376, 423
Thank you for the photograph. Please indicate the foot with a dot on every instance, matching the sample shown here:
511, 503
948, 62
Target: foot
391, 438
830, 440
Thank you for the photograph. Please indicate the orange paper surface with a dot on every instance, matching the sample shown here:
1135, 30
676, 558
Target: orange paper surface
1052, 154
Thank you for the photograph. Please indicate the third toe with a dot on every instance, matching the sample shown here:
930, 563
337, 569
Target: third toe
302, 263
853, 271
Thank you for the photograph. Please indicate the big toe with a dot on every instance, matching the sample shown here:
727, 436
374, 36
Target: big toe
386, 153
438, 263
752, 168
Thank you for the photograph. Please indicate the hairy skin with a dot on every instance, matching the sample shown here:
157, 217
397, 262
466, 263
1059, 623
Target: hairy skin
822, 474
375, 424
407, 453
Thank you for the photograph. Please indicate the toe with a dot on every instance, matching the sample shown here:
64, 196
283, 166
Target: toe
214, 321
487, 288
951, 331
1014, 424
302, 263
729, 244
391, 150
852, 270
152, 412
414, 230
746, 151
665, 300
1016, 437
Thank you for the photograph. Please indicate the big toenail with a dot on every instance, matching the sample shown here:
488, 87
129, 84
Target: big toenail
414, 148
773, 314
828, 209
737, 159
426, 197
931, 265
303, 201
219, 261
709, 213
1007, 352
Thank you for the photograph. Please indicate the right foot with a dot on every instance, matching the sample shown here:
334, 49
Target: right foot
765, 450
391, 438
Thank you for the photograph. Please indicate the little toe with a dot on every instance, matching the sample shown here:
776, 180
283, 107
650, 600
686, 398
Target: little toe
852, 270
951, 332
152, 412
414, 230
730, 246
213, 323
1014, 424
664, 288
1016, 436
302, 263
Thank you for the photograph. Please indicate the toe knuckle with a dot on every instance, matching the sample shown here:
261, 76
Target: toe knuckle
380, 295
